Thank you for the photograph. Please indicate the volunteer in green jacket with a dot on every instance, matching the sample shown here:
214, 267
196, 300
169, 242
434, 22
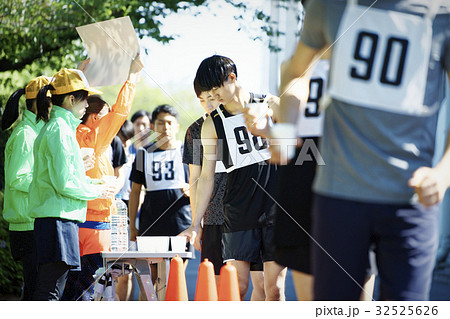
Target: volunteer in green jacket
18, 174
60, 188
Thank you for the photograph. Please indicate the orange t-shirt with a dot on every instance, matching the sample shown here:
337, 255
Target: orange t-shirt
99, 137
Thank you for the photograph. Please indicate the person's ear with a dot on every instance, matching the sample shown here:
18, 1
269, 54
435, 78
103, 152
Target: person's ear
232, 77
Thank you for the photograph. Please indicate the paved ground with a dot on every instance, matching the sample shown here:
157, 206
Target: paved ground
191, 280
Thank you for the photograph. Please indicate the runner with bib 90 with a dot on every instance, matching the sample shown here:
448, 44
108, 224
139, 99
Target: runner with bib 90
386, 84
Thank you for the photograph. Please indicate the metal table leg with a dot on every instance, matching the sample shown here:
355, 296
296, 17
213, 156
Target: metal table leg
144, 279
161, 282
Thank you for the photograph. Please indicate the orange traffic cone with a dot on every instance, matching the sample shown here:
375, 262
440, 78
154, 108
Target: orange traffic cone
206, 289
176, 284
228, 283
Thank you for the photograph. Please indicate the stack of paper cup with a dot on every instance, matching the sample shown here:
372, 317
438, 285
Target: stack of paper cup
87, 152
178, 244
110, 186
153, 244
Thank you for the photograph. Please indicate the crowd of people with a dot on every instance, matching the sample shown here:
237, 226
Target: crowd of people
332, 178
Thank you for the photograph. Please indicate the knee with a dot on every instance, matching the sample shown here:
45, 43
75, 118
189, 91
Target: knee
243, 287
274, 292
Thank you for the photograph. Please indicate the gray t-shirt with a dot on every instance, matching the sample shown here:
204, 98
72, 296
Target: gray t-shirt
371, 154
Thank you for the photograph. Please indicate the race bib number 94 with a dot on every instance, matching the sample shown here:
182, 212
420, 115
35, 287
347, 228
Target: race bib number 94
380, 60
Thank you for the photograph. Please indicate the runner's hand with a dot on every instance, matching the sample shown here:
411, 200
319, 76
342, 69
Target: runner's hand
198, 240
190, 234
133, 233
429, 185
185, 190
251, 118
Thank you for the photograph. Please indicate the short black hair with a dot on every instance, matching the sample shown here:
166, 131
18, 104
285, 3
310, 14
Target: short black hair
127, 130
164, 108
139, 114
213, 72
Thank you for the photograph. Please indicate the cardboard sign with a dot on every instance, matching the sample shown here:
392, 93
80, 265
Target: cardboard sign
111, 45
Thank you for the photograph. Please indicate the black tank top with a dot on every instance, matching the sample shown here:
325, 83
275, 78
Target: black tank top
246, 204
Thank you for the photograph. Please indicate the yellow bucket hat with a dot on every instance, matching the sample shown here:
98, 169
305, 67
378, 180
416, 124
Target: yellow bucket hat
32, 88
71, 80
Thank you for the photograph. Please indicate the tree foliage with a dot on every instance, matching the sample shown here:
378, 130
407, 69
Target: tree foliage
38, 30
267, 28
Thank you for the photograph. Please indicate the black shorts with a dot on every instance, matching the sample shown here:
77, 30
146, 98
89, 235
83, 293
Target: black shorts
212, 246
21, 243
301, 262
251, 245
259, 266
293, 222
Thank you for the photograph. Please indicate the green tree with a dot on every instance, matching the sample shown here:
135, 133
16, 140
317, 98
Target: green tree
43, 31
37, 30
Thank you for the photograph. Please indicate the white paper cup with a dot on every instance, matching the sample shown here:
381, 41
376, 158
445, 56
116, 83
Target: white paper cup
178, 244
111, 182
153, 244
86, 151
109, 179
259, 110
110, 186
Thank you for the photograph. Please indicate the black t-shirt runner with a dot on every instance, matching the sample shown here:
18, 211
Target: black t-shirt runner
164, 212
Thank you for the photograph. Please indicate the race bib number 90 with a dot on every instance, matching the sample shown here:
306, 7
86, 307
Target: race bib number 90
380, 60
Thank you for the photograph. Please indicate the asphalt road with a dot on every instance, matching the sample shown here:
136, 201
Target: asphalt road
191, 280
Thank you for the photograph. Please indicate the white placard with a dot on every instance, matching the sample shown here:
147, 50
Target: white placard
111, 45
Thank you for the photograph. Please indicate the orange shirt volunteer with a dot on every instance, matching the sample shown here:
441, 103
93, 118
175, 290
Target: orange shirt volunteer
95, 232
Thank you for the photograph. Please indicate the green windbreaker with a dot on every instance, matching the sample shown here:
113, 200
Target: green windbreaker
19, 172
60, 187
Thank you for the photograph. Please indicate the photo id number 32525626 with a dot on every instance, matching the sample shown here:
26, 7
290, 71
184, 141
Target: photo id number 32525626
413, 310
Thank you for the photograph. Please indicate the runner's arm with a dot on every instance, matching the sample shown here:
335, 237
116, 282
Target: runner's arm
430, 184
294, 86
205, 184
133, 207
194, 175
